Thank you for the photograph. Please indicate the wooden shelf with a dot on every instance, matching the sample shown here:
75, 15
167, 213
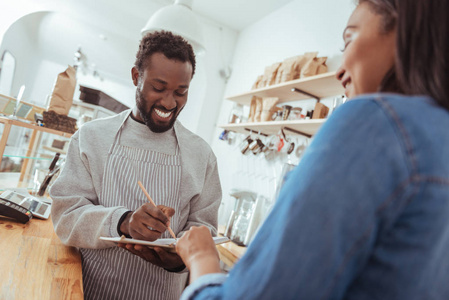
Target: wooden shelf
309, 127
9, 122
56, 150
321, 86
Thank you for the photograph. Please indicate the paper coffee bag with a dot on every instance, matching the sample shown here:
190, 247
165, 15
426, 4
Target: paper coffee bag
258, 112
288, 69
257, 82
252, 109
268, 108
63, 91
271, 73
314, 67
305, 60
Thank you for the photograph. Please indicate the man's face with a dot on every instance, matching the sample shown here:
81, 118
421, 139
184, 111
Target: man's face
162, 91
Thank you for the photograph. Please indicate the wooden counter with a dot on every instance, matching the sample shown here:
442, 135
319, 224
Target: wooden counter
34, 264
230, 253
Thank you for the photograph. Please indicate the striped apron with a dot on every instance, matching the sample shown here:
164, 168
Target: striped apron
114, 273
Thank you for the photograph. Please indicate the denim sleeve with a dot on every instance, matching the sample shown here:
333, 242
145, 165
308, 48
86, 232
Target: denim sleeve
345, 191
210, 281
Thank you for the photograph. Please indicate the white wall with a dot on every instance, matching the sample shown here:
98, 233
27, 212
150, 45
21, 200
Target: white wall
25, 51
298, 27
207, 85
38, 68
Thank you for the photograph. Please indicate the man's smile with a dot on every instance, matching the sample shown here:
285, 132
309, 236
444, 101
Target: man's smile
162, 114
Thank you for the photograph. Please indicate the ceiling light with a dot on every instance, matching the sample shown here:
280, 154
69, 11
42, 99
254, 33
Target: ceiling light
179, 19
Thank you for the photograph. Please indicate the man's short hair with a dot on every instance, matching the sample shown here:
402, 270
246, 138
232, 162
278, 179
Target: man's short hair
172, 46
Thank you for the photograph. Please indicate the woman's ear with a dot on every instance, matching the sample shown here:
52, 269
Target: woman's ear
135, 75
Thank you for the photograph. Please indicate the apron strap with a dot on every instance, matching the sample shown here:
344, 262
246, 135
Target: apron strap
119, 131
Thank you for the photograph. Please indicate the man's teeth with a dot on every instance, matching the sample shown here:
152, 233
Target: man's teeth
162, 114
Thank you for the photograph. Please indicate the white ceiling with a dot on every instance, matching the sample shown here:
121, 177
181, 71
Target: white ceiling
236, 14
132, 14
115, 18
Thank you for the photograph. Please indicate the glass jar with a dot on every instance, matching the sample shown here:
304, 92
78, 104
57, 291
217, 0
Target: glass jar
240, 227
236, 115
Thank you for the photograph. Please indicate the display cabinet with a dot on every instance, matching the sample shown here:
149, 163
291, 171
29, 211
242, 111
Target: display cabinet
85, 112
26, 151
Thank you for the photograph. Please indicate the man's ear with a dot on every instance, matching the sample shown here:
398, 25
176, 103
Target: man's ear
135, 75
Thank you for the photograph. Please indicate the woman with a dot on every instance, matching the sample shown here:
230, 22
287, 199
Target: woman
366, 213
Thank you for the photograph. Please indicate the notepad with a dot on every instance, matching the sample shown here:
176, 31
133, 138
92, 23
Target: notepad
163, 243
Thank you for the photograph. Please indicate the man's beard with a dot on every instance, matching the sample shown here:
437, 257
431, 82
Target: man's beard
146, 115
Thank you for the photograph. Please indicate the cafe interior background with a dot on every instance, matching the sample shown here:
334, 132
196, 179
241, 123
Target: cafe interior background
39, 39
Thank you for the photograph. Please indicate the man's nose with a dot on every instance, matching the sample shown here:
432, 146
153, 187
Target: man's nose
169, 101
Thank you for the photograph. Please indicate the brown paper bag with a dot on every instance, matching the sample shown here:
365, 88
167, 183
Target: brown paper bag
252, 109
262, 83
63, 91
257, 82
320, 111
269, 76
258, 113
268, 108
314, 67
288, 69
271, 73
291, 67
322, 68
305, 59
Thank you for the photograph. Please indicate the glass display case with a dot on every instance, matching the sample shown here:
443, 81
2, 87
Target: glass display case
85, 112
26, 153
27, 150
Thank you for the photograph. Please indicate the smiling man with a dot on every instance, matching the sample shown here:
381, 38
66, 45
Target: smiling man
97, 192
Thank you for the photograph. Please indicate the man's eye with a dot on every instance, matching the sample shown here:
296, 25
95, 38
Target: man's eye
180, 93
158, 90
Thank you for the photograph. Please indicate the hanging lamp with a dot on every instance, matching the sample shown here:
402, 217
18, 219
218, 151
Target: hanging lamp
179, 19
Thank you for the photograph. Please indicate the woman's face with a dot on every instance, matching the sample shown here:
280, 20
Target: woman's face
368, 54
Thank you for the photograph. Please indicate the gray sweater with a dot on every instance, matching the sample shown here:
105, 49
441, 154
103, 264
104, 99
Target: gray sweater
78, 218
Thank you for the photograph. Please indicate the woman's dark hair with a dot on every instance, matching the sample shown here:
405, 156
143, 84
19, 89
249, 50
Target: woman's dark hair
422, 53
172, 46
423, 48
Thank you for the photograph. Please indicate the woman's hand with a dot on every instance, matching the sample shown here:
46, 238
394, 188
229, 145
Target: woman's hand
197, 249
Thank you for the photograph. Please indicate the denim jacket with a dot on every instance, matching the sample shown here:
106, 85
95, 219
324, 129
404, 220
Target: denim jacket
365, 215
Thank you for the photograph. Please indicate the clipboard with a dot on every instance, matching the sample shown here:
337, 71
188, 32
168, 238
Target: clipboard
163, 243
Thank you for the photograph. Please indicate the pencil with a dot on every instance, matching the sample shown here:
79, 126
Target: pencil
152, 202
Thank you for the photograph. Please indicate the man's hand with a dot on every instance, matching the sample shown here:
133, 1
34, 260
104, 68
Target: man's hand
157, 256
147, 222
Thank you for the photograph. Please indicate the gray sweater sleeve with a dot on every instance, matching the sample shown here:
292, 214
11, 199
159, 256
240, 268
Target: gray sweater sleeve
77, 218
